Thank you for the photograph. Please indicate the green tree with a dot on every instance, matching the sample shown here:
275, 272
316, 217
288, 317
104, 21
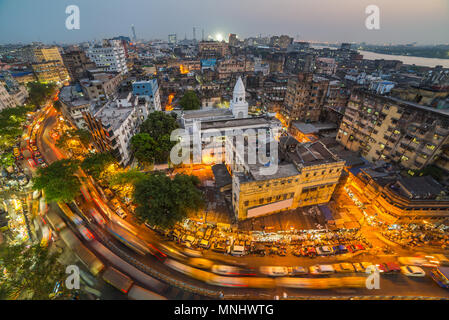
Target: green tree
95, 164
58, 180
6, 159
163, 202
29, 272
132, 176
11, 122
40, 92
159, 124
190, 101
153, 143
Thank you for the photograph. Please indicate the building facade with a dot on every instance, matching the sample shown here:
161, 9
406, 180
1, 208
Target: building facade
304, 99
386, 128
306, 175
109, 56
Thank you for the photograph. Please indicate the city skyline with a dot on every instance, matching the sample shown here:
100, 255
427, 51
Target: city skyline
401, 22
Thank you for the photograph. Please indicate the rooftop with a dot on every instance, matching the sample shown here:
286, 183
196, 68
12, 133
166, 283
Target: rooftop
111, 115
73, 96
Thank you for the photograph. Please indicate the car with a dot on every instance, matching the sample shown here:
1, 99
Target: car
40, 160
389, 267
44, 165
416, 261
85, 233
343, 267
119, 211
321, 269
359, 247
297, 270
219, 247
358, 267
311, 252
412, 271
274, 271
324, 251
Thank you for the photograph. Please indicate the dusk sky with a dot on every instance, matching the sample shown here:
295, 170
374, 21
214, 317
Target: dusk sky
401, 21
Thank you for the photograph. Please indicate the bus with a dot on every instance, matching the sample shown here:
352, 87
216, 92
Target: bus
128, 239
139, 293
441, 276
69, 213
86, 256
117, 279
55, 221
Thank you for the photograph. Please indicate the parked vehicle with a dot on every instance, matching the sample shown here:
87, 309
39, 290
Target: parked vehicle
441, 276
389, 267
321, 269
344, 267
412, 271
324, 251
237, 250
297, 270
219, 247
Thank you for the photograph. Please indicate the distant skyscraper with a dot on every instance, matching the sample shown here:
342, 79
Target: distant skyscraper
194, 33
134, 33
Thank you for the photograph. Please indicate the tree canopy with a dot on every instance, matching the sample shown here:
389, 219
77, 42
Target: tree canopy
190, 101
29, 272
95, 164
58, 180
153, 143
40, 92
163, 202
11, 122
159, 124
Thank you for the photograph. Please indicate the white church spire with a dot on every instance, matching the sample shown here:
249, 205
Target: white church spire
239, 107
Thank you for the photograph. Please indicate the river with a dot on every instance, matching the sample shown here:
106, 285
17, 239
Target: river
419, 61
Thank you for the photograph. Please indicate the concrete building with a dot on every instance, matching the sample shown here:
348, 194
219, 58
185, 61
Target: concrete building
114, 124
387, 128
6, 101
74, 103
148, 89
305, 98
42, 54
394, 199
77, 63
212, 49
109, 56
307, 175
51, 71
327, 66
102, 86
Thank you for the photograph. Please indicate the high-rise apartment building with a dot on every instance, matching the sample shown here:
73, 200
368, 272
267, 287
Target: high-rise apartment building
387, 128
42, 54
109, 56
77, 63
305, 97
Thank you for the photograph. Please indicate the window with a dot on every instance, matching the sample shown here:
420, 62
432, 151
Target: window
246, 203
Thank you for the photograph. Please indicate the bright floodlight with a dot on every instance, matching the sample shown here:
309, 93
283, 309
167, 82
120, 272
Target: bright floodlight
219, 37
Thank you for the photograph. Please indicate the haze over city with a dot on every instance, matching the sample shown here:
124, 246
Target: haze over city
401, 21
